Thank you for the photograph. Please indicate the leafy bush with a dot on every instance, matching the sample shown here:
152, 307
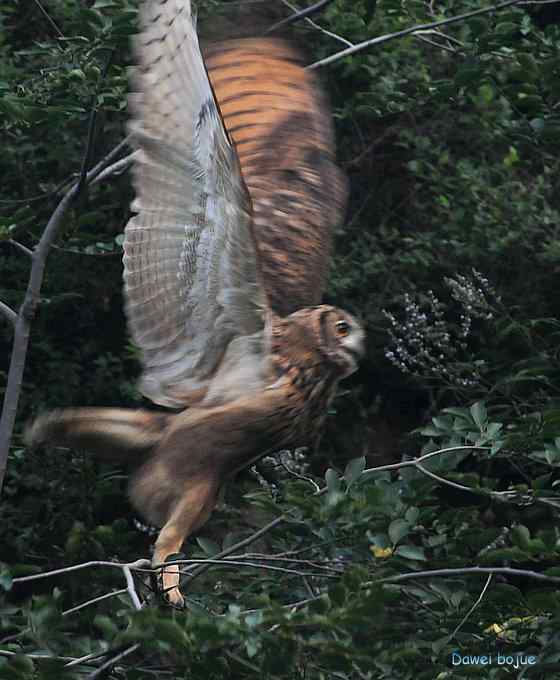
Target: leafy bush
450, 253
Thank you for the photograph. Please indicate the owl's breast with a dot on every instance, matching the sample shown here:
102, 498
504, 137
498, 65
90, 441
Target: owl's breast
306, 397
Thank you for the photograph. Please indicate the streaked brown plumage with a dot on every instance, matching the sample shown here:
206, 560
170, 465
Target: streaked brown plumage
276, 115
224, 267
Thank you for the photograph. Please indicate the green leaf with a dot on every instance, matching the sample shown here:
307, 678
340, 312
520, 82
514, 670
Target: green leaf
411, 552
492, 429
333, 480
412, 515
397, 529
553, 571
354, 469
497, 445
506, 28
106, 626
479, 414
478, 26
444, 423
486, 92
430, 431
521, 536
252, 646
468, 74
5, 577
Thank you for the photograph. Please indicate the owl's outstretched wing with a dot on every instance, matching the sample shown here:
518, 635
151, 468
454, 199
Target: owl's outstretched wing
190, 263
277, 115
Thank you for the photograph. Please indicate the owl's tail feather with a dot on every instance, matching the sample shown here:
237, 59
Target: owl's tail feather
117, 434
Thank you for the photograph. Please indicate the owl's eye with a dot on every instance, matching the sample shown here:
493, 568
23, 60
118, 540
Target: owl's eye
342, 328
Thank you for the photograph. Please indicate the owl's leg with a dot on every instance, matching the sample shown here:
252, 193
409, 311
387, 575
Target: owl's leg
189, 514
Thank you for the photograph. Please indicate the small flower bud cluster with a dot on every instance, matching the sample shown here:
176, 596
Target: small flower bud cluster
283, 462
428, 342
473, 294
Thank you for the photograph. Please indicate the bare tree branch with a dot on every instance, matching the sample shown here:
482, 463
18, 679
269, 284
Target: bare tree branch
116, 168
460, 571
410, 31
131, 588
137, 564
26, 313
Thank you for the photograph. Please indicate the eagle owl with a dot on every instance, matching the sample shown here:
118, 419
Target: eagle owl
224, 267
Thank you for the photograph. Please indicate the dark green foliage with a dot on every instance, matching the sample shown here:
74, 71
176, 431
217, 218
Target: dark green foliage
452, 154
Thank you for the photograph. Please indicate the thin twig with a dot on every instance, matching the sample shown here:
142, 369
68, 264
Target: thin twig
92, 123
131, 588
295, 474
279, 558
8, 312
116, 168
446, 48
241, 544
84, 659
113, 593
39, 197
475, 605
137, 564
21, 247
111, 662
243, 662
320, 28
448, 482
409, 31
49, 18
508, 571
302, 14
211, 562
6, 652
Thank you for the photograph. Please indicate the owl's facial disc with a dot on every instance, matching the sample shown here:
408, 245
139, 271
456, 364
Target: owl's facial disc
346, 339
352, 344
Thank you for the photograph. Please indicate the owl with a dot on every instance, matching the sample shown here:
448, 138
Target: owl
225, 258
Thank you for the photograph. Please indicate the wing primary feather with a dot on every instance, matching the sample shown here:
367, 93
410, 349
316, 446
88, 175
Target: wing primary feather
191, 266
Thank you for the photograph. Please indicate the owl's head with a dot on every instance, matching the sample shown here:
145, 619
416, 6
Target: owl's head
335, 334
341, 338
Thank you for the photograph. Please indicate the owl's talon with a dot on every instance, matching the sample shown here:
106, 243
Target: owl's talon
168, 585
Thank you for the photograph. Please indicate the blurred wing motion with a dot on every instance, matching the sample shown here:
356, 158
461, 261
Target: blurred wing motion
236, 197
276, 114
190, 263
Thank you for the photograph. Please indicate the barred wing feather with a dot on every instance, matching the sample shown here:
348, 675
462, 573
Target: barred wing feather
190, 262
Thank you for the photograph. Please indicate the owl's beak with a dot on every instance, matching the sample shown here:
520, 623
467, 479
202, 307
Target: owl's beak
355, 344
